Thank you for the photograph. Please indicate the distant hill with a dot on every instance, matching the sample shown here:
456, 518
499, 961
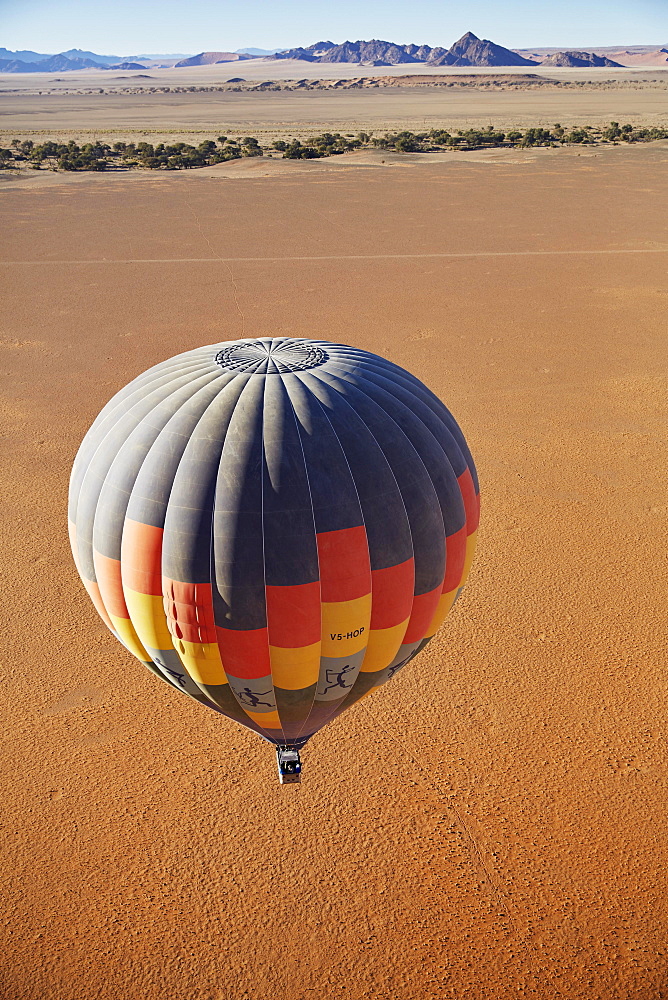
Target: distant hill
210, 58
27, 61
468, 51
22, 55
633, 55
376, 52
311, 53
127, 65
574, 59
93, 56
51, 64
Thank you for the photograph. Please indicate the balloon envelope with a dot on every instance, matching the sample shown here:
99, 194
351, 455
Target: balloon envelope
274, 527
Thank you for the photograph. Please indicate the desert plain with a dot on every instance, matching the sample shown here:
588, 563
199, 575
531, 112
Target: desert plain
492, 823
196, 103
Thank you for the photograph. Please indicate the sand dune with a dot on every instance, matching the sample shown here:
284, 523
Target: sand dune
506, 837
657, 57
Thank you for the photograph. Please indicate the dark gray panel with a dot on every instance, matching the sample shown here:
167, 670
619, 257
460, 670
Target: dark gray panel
187, 544
238, 550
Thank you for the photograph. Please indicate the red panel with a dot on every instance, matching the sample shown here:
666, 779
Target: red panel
94, 593
424, 607
345, 572
392, 594
471, 501
293, 615
141, 557
455, 554
108, 573
190, 608
244, 654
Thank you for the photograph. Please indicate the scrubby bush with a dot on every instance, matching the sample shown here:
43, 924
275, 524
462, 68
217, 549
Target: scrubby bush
98, 155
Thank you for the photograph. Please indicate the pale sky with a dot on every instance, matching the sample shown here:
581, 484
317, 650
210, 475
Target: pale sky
127, 27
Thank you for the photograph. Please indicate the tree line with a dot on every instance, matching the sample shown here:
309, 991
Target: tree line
99, 156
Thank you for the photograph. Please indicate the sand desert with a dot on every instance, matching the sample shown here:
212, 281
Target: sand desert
492, 823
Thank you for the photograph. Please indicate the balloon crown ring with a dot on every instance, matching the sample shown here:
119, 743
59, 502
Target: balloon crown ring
271, 356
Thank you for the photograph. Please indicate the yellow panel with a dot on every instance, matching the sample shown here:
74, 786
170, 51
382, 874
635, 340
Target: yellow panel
295, 668
383, 646
128, 637
148, 617
202, 661
445, 603
348, 623
268, 720
468, 558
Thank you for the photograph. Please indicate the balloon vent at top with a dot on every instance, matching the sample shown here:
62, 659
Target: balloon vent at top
271, 356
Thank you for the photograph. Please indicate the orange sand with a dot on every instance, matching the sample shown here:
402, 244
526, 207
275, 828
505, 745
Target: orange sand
491, 824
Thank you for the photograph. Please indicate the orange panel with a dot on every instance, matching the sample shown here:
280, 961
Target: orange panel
96, 598
244, 654
345, 573
424, 608
455, 554
445, 603
293, 615
189, 608
471, 501
108, 573
392, 594
141, 557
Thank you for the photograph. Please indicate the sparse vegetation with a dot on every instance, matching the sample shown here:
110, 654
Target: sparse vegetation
98, 156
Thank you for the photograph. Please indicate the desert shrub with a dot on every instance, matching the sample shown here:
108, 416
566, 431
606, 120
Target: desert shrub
537, 137
250, 146
295, 151
98, 155
577, 135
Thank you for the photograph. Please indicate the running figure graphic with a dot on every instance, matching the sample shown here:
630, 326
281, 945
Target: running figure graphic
248, 697
179, 677
335, 678
391, 671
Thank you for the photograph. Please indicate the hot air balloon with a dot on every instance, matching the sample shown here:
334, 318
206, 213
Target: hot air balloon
274, 527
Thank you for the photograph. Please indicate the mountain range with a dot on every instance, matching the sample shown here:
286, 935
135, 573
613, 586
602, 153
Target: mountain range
575, 59
469, 50
60, 64
27, 61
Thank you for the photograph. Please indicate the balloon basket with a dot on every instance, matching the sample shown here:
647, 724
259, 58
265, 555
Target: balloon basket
289, 765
